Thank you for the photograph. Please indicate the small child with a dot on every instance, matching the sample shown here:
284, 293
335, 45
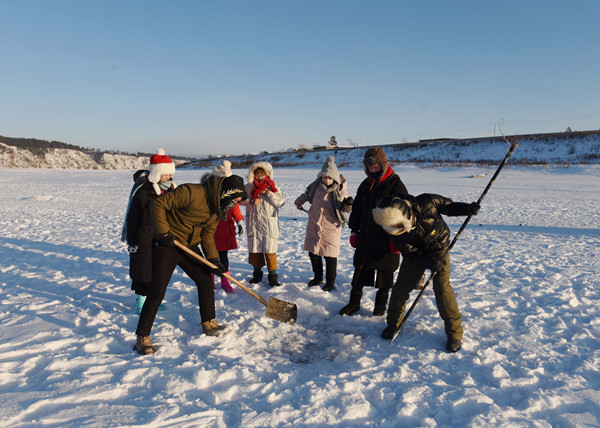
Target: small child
416, 228
262, 221
225, 239
329, 199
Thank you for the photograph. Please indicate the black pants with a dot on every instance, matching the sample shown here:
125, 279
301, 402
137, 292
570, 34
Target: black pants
224, 257
165, 259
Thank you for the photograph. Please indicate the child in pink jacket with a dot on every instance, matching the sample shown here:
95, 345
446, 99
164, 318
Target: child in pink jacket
329, 199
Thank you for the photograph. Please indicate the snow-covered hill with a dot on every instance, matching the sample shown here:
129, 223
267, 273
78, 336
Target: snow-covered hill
554, 149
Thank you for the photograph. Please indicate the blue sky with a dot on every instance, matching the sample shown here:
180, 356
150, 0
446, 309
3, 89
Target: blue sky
231, 77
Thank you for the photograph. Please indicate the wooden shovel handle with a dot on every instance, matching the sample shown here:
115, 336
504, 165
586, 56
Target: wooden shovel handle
226, 275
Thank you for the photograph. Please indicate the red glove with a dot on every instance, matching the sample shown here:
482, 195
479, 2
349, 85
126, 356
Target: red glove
393, 249
353, 239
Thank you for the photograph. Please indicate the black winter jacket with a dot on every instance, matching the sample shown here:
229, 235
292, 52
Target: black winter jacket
373, 247
431, 236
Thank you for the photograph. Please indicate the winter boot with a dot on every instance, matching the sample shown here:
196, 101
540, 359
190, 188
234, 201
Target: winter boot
226, 285
381, 299
273, 279
143, 345
354, 305
139, 302
317, 267
211, 328
453, 345
388, 332
257, 276
331, 272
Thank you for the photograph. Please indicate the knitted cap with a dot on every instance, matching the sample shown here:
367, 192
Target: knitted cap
223, 169
330, 170
232, 187
160, 164
393, 214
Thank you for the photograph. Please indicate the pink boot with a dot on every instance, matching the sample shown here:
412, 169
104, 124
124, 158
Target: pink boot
225, 285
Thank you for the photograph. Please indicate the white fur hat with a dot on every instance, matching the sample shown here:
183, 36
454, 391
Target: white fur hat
394, 215
223, 169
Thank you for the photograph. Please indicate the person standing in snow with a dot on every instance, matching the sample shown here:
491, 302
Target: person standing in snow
226, 229
329, 199
416, 227
137, 230
262, 221
375, 259
190, 214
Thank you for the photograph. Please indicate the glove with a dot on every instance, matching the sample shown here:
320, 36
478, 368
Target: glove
240, 227
132, 249
436, 265
166, 240
353, 239
299, 206
393, 248
347, 202
474, 208
220, 268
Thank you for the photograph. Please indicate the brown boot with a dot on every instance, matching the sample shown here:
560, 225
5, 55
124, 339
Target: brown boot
211, 328
143, 345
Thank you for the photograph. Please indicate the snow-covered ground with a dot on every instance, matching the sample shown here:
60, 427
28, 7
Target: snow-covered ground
525, 272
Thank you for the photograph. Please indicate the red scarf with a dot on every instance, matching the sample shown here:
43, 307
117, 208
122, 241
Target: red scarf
384, 177
259, 186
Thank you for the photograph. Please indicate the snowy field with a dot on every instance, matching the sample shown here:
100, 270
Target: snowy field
525, 273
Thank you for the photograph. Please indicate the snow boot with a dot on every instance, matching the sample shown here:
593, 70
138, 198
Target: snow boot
331, 272
257, 276
273, 279
211, 328
388, 332
381, 299
226, 285
143, 345
317, 267
139, 302
453, 345
354, 305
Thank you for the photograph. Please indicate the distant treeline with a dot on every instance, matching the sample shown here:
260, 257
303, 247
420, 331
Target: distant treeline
39, 147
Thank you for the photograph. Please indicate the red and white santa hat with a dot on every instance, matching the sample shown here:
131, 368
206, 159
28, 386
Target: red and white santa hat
160, 164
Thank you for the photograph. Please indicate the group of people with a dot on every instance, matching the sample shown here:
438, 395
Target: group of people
384, 220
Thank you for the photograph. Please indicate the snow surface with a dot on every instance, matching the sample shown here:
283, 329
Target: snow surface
525, 272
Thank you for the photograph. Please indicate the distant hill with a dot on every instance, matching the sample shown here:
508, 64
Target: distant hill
565, 148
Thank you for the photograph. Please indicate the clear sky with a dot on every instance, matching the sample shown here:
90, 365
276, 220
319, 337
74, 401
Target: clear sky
232, 77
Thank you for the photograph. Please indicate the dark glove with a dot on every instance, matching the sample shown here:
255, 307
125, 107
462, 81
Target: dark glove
474, 208
353, 239
166, 240
220, 268
436, 265
347, 202
240, 227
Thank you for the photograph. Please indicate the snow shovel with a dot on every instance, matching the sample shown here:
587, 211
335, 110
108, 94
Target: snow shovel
511, 149
277, 309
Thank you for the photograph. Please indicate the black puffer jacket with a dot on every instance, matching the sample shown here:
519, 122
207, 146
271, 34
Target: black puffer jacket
431, 236
372, 249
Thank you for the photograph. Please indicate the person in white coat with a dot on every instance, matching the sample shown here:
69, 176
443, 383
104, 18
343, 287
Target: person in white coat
262, 221
329, 199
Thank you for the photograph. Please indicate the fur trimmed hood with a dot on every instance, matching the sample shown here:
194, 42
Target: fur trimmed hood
394, 215
266, 166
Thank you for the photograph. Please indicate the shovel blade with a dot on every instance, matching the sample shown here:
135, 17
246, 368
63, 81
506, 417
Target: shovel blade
282, 311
